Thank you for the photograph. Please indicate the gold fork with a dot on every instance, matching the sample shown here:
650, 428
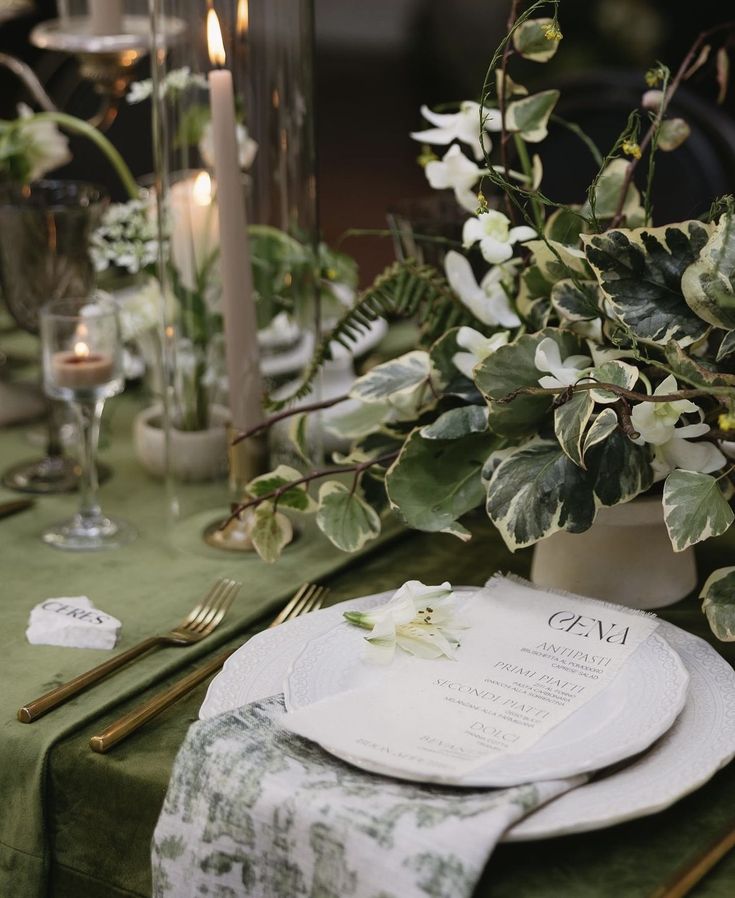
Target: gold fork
308, 598
200, 622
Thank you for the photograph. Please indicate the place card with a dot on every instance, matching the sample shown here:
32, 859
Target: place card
528, 660
72, 621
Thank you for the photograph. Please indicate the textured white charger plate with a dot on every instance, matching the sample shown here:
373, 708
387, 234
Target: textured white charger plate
701, 741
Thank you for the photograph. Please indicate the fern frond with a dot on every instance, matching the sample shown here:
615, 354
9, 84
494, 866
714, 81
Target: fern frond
405, 289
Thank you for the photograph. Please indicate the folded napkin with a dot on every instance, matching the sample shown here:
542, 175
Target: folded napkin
253, 810
72, 621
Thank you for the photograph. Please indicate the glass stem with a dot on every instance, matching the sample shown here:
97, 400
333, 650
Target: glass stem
89, 415
54, 447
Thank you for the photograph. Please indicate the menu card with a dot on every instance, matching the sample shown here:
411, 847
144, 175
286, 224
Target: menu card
528, 660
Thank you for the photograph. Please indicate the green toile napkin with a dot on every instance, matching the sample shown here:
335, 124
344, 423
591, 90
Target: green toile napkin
253, 811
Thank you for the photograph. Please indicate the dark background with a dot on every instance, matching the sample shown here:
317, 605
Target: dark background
378, 60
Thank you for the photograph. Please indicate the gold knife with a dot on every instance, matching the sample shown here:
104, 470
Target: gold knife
684, 880
14, 506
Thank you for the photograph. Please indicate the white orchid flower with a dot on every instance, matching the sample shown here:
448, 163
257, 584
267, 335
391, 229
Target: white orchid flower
479, 346
463, 126
458, 173
560, 373
44, 146
487, 300
492, 231
656, 421
419, 619
678, 452
247, 148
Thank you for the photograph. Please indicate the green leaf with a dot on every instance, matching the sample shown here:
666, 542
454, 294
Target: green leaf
694, 508
432, 483
600, 429
297, 498
456, 529
640, 272
271, 532
727, 347
607, 196
456, 423
570, 421
673, 133
532, 301
537, 491
529, 39
576, 302
615, 372
454, 382
299, 434
557, 261
708, 283
512, 367
345, 518
719, 603
621, 469
402, 382
358, 421
693, 372
530, 116
565, 226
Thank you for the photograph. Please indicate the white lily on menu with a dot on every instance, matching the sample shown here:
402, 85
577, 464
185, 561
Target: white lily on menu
419, 619
492, 231
487, 300
463, 126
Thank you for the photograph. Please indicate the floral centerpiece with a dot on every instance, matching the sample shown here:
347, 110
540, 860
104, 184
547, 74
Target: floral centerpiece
573, 357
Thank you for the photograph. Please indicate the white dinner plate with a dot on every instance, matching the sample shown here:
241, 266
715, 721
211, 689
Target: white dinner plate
701, 741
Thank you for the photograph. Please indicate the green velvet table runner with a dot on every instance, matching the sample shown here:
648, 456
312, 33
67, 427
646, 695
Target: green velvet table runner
149, 585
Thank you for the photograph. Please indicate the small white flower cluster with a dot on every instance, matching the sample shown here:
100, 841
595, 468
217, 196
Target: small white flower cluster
126, 238
175, 82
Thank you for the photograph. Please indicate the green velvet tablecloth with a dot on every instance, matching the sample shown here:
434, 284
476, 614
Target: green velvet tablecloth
96, 813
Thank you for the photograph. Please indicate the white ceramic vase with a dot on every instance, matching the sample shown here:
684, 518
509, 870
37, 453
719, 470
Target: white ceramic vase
625, 557
194, 455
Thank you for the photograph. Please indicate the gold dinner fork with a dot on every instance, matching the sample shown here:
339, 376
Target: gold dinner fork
308, 598
205, 617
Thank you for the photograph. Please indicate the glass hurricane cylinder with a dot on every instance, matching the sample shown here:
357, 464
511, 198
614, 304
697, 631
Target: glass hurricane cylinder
238, 226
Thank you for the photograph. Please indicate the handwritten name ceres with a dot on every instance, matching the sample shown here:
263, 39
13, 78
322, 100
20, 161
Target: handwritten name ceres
586, 627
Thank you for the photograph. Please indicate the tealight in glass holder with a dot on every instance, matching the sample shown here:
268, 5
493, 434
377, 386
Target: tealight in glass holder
82, 365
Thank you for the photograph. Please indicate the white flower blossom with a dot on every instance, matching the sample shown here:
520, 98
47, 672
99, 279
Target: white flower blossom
678, 452
175, 82
458, 173
419, 619
560, 373
479, 348
488, 300
246, 146
126, 238
655, 421
139, 309
492, 231
463, 126
44, 146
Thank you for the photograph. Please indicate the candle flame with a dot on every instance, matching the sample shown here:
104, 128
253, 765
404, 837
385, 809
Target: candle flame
215, 44
243, 17
81, 350
201, 192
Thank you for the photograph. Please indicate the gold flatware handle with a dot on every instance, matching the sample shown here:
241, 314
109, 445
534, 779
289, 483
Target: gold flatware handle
13, 507
685, 879
135, 719
50, 700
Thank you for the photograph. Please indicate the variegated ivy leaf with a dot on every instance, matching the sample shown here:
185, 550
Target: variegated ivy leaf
271, 532
456, 423
454, 383
607, 196
621, 469
557, 261
401, 382
600, 429
532, 302
505, 85
578, 301
537, 491
358, 420
694, 508
570, 421
433, 483
298, 434
719, 603
345, 518
511, 367
616, 372
708, 283
565, 226
529, 39
640, 272
694, 372
673, 133
727, 347
297, 497
530, 116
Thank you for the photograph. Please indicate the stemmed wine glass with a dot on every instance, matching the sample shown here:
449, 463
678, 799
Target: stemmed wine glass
45, 230
82, 365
